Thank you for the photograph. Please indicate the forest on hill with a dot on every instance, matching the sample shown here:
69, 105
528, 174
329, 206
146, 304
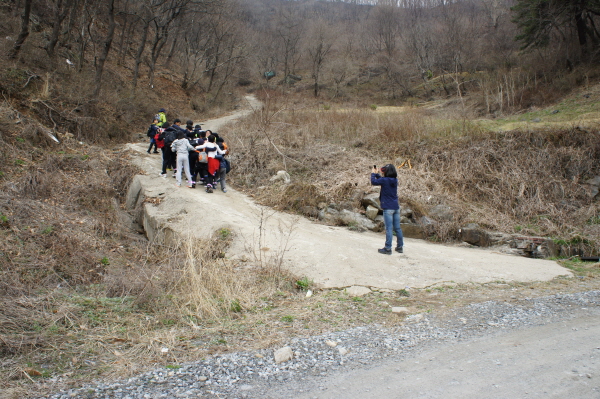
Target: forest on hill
506, 54
495, 102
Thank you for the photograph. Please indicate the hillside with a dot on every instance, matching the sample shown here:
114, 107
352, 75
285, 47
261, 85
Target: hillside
85, 295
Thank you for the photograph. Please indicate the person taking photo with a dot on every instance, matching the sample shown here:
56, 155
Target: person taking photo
388, 198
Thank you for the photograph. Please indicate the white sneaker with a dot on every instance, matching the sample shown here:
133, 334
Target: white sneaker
162, 174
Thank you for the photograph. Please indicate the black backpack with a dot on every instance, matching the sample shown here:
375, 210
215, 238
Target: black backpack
170, 136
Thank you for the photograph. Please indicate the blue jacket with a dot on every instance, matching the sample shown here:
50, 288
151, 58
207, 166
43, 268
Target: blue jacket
388, 197
152, 130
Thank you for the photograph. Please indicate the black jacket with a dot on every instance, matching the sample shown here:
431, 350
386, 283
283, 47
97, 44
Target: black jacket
170, 135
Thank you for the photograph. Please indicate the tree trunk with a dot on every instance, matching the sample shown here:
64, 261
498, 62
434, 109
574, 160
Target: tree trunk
171, 52
140, 52
83, 31
106, 48
159, 41
121, 56
24, 30
59, 16
581, 29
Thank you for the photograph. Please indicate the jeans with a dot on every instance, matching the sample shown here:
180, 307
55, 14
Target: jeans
391, 218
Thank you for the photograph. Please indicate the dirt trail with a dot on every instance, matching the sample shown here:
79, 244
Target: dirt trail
330, 256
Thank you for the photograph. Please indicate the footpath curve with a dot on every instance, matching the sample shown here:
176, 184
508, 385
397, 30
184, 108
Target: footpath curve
333, 257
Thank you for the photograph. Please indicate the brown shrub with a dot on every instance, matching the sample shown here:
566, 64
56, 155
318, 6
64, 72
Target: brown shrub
499, 180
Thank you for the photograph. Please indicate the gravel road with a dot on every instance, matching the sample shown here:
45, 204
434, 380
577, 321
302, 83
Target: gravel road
540, 348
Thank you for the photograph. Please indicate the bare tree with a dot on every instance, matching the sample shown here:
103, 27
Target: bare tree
289, 30
105, 48
24, 30
319, 44
61, 10
164, 16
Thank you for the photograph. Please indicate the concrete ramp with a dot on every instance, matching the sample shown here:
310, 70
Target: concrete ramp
330, 256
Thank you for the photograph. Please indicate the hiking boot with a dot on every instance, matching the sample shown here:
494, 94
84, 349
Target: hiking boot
155, 152
399, 250
209, 189
385, 251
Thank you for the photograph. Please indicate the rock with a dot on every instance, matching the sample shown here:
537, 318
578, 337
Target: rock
372, 212
310, 211
425, 221
400, 310
356, 195
356, 220
404, 219
410, 230
442, 213
330, 216
594, 181
283, 354
202, 378
357, 290
534, 247
331, 343
594, 184
322, 205
379, 224
405, 211
474, 235
372, 200
309, 293
342, 351
556, 111
282, 176
348, 205
497, 238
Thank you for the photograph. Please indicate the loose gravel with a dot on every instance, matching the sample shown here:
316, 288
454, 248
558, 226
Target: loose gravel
247, 374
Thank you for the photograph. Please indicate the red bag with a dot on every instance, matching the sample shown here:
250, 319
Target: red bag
159, 143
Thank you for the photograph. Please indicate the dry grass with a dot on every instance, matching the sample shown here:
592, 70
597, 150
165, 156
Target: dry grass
525, 181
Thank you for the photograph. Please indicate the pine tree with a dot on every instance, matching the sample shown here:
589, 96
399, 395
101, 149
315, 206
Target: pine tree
539, 21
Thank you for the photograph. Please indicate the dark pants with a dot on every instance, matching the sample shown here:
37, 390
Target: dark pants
169, 158
152, 143
202, 170
209, 179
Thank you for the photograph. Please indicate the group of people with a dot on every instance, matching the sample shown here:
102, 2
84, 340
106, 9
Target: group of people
200, 153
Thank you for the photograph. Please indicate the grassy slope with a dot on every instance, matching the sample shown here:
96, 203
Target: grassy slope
580, 108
